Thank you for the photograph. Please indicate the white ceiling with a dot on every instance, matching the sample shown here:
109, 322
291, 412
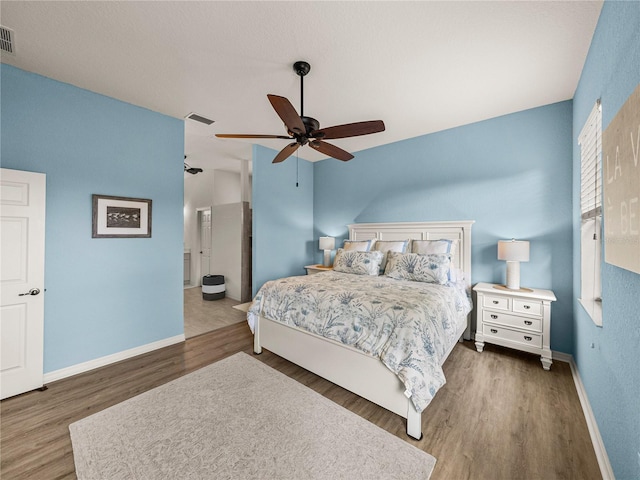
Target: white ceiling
419, 66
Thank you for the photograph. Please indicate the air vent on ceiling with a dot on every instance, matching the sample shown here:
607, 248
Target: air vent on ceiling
199, 118
7, 40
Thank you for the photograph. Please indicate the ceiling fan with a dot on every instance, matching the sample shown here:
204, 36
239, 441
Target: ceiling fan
306, 130
189, 169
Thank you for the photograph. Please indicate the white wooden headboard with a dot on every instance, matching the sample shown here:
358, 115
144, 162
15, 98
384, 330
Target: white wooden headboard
460, 231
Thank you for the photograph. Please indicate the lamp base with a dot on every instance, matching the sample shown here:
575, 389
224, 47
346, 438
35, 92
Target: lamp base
513, 275
327, 258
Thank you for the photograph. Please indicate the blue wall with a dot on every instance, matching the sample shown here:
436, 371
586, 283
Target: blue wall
610, 371
511, 174
103, 295
282, 216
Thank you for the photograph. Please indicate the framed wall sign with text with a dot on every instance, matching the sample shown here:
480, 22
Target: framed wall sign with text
621, 182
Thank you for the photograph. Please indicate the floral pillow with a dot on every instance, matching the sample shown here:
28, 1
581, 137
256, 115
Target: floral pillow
360, 263
428, 268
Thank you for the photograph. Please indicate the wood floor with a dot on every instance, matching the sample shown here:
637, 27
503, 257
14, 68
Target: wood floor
202, 316
500, 416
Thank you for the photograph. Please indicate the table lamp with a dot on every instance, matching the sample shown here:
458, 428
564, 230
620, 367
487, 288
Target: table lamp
327, 244
513, 252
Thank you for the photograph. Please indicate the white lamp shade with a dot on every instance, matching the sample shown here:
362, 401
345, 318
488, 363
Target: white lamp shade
513, 250
327, 243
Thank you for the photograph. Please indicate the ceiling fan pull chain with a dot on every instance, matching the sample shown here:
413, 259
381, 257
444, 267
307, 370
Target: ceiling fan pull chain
297, 163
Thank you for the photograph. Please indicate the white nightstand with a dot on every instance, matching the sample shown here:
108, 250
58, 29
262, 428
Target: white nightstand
311, 269
519, 319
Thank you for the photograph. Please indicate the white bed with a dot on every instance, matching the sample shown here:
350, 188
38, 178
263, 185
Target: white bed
366, 375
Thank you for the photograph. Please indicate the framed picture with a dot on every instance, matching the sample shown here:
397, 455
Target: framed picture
121, 217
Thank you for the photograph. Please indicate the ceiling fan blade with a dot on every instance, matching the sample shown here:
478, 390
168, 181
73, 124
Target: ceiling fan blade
286, 152
288, 114
243, 135
331, 150
349, 130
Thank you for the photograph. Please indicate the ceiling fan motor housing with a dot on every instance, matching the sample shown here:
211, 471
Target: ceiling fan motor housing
310, 125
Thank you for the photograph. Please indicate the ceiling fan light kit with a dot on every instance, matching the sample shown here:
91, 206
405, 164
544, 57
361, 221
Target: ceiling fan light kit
306, 130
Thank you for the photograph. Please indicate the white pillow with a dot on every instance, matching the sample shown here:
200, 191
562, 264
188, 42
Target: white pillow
385, 246
358, 245
434, 246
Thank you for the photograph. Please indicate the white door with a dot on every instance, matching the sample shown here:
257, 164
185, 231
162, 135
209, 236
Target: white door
22, 214
205, 242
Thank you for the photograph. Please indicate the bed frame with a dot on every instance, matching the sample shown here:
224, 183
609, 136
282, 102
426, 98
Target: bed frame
343, 365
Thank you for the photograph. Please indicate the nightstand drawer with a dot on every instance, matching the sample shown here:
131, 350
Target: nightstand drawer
529, 307
525, 323
501, 303
500, 333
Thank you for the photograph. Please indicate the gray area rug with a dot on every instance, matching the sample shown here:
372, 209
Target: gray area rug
238, 418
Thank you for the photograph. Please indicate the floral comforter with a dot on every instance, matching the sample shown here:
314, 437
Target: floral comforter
408, 325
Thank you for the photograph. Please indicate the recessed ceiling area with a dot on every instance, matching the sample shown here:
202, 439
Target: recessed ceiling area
421, 67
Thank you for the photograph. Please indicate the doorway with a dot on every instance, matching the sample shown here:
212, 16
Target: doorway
202, 316
217, 236
204, 242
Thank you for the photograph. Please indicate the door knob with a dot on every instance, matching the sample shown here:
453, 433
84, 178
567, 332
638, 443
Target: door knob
33, 291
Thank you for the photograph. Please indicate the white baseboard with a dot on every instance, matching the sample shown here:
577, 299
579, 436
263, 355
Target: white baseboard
109, 359
562, 357
598, 445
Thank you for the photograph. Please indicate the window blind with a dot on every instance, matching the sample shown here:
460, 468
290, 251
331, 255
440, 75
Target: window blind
590, 141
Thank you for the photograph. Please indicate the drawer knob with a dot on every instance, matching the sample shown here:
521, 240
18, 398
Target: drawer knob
495, 317
495, 302
528, 339
527, 307
527, 322
493, 330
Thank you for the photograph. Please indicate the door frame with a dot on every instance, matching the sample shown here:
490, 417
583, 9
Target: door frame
197, 258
